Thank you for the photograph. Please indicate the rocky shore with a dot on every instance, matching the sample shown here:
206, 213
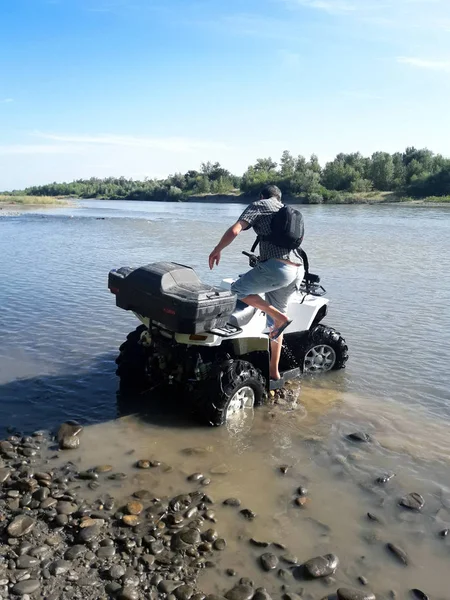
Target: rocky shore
62, 536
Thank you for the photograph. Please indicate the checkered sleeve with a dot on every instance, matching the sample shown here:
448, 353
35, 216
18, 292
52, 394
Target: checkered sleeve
250, 214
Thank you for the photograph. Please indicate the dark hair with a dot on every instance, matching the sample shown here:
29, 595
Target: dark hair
270, 191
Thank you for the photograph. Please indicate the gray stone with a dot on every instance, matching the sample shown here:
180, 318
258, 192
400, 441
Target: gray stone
240, 592
112, 588
106, 552
74, 552
88, 534
128, 593
348, 594
258, 543
358, 436
220, 544
261, 595
4, 475
69, 442
321, 566
413, 501
290, 559
268, 561
116, 572
167, 586
27, 562
26, 587
20, 526
398, 552
184, 592
66, 508
232, 502
59, 567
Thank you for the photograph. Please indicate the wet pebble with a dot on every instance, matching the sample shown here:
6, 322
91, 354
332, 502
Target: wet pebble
27, 562
383, 479
240, 592
142, 495
289, 559
398, 552
413, 501
4, 475
219, 544
143, 464
321, 566
284, 469
66, 508
167, 586
28, 586
268, 561
248, 514
59, 567
134, 508
106, 552
232, 502
69, 442
195, 477
348, 594
359, 436
184, 592
88, 534
419, 594
116, 572
375, 518
128, 593
302, 501
103, 469
21, 525
259, 544
74, 552
130, 520
444, 533
261, 594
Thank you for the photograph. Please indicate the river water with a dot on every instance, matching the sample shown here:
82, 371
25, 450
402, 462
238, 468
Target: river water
387, 272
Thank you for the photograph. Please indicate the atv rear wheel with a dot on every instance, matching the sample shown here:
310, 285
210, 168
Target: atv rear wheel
322, 350
228, 391
132, 363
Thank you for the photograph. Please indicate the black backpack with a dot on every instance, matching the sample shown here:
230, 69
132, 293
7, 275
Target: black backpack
287, 229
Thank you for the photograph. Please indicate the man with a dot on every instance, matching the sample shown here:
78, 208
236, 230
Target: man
276, 275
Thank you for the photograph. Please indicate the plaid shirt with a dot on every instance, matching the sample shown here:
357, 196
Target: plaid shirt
259, 216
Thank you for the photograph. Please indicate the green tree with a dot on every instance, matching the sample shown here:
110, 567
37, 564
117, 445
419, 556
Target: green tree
381, 171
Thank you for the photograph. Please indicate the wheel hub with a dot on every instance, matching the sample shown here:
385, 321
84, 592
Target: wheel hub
243, 398
320, 358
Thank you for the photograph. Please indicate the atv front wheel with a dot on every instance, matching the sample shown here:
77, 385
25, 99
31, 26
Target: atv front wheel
132, 363
322, 350
227, 392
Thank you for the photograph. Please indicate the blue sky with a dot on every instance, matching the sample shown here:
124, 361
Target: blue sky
149, 87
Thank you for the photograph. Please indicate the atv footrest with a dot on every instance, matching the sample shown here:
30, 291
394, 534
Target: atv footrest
226, 331
285, 377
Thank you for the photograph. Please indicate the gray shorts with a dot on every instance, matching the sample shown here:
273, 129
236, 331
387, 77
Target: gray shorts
274, 278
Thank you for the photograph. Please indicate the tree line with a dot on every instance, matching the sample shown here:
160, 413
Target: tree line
414, 172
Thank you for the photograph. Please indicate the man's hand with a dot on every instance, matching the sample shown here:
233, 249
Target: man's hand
214, 258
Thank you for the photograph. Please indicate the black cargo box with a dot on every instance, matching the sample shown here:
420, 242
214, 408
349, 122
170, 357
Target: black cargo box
172, 295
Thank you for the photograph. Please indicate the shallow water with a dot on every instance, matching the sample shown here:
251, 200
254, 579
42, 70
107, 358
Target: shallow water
387, 272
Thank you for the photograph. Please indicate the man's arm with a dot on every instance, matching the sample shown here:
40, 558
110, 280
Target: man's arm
229, 235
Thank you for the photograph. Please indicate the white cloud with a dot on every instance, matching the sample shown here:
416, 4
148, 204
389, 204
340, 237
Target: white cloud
40, 149
6, 100
422, 63
171, 144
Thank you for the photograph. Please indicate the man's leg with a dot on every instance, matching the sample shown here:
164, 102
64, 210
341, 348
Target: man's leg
278, 317
275, 353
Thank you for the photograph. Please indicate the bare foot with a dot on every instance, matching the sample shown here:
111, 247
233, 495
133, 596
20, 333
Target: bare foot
277, 324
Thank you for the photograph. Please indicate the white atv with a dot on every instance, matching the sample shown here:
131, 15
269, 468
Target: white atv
215, 350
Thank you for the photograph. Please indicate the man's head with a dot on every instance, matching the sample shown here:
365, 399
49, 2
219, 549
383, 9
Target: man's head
270, 191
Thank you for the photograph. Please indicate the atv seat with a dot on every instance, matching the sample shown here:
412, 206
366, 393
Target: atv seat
242, 315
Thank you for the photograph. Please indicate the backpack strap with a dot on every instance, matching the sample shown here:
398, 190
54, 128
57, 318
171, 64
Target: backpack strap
305, 260
255, 245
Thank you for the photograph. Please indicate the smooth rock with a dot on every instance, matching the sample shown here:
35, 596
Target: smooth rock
261, 595
383, 479
258, 543
419, 594
74, 552
167, 586
302, 501
142, 495
69, 428
248, 514
4, 475
134, 508
290, 559
195, 477
106, 552
20, 526
232, 502
69, 442
348, 594
27, 562
59, 567
220, 544
240, 592
143, 464
321, 566
183, 592
130, 520
413, 501
444, 533
268, 561
398, 552
66, 508
128, 593
88, 534
103, 469
28, 586
89, 522
358, 436
116, 572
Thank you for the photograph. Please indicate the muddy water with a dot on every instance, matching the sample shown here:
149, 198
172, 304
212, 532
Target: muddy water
387, 273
